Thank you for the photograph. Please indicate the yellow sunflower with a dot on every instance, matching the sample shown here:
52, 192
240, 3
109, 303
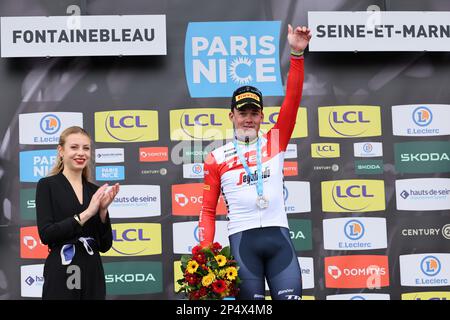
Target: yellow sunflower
231, 273
192, 266
221, 260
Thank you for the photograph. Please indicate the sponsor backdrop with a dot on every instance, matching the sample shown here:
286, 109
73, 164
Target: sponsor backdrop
367, 187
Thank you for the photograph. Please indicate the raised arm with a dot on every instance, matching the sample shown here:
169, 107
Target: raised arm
298, 39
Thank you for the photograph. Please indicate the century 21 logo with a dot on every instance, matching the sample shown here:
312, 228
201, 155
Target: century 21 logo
353, 196
221, 56
126, 126
349, 121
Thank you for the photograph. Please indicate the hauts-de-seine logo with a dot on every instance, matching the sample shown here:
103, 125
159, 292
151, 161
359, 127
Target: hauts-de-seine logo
221, 56
422, 116
50, 124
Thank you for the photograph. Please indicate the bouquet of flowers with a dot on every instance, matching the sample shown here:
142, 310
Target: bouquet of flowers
209, 273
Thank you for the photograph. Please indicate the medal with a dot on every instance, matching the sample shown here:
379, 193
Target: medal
262, 202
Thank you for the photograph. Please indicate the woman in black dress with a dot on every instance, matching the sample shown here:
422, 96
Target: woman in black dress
73, 220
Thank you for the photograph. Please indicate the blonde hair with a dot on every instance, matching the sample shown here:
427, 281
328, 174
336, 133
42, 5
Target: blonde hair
59, 165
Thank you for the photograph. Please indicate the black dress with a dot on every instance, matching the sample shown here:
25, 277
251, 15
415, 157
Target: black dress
56, 205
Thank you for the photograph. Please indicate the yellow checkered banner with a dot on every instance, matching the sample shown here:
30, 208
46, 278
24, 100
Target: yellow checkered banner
366, 172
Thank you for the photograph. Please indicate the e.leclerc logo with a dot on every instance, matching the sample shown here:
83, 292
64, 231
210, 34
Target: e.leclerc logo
422, 116
44, 128
221, 56
50, 124
430, 266
354, 229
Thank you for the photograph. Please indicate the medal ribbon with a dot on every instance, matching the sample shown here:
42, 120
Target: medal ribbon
259, 181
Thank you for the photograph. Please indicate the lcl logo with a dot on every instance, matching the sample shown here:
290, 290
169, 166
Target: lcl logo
354, 191
200, 120
349, 117
272, 118
131, 234
126, 122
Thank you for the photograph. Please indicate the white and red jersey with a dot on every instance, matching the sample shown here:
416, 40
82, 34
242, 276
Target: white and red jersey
225, 174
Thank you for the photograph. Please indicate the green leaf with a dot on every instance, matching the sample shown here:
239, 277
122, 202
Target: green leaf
226, 251
213, 264
184, 260
209, 254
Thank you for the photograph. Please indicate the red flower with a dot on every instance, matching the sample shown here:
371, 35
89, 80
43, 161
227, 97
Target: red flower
233, 291
199, 257
192, 279
219, 286
194, 295
196, 249
216, 247
202, 292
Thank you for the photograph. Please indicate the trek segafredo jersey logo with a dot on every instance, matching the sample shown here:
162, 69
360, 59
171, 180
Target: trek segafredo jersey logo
353, 196
222, 56
349, 121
